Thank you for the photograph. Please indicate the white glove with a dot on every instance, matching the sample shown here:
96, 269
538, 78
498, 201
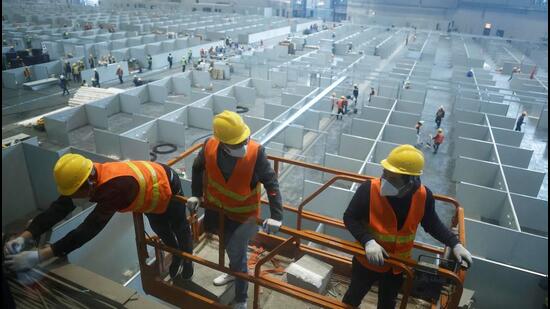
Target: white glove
22, 261
375, 253
15, 245
461, 253
193, 203
271, 226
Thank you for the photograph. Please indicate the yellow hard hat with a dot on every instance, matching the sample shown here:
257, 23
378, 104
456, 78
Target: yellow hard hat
440, 130
70, 172
404, 159
230, 128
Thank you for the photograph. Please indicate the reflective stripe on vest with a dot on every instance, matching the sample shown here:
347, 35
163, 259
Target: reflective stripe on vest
154, 191
141, 180
234, 194
383, 225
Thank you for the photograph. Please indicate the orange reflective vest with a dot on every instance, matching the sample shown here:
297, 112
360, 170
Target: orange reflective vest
383, 225
234, 195
154, 186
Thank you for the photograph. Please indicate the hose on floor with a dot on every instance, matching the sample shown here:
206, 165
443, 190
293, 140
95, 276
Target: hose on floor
156, 150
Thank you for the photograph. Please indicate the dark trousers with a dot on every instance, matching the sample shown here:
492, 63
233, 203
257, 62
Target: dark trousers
65, 90
438, 122
170, 64
172, 226
436, 147
120, 79
518, 127
150, 65
340, 113
362, 280
183, 68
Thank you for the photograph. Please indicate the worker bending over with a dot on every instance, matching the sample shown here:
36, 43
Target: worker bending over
383, 216
129, 186
233, 166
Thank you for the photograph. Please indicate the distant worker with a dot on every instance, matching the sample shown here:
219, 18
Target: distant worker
520, 121
418, 126
96, 77
137, 81
119, 73
439, 115
149, 62
68, 70
233, 167
63, 85
355, 93
341, 105
189, 55
183, 63
383, 216
371, 94
91, 61
27, 74
129, 186
438, 139
170, 59
333, 101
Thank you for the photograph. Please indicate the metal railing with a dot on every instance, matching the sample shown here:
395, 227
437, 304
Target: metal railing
151, 273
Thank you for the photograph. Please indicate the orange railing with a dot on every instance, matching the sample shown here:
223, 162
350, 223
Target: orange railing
154, 285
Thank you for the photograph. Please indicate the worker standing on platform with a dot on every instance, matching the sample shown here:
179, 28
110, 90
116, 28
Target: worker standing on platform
96, 77
520, 121
439, 115
233, 167
120, 73
129, 186
150, 62
170, 59
383, 216
183, 63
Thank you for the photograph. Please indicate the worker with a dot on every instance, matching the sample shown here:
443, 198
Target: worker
183, 63
119, 73
371, 93
189, 55
333, 101
91, 61
234, 166
27, 74
383, 216
96, 77
520, 121
170, 59
68, 70
63, 84
439, 115
355, 93
341, 105
418, 126
129, 186
438, 139
150, 62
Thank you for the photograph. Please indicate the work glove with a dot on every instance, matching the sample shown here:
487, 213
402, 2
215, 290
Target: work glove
461, 253
22, 261
193, 203
271, 226
375, 253
15, 245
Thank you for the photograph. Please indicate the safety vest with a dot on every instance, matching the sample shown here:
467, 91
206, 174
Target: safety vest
154, 186
383, 225
234, 195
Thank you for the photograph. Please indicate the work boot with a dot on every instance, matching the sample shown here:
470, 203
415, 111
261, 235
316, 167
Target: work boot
223, 280
187, 271
175, 267
239, 305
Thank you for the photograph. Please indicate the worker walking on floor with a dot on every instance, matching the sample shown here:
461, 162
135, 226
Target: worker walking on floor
233, 167
170, 59
129, 186
520, 121
438, 139
439, 115
119, 73
63, 85
341, 105
183, 63
383, 216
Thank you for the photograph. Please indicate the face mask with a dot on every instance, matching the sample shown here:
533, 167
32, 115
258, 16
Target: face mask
387, 189
237, 153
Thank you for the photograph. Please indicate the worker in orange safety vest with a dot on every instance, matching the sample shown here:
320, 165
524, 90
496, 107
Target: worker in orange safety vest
383, 216
129, 186
227, 174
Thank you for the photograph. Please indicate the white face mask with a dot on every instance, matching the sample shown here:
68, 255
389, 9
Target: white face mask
237, 153
387, 189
